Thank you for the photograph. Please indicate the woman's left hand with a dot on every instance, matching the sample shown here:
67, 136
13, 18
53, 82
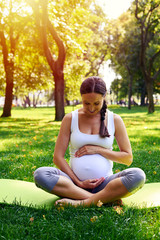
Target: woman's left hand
87, 150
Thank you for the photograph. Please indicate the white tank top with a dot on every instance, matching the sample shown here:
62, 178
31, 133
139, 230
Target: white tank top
95, 165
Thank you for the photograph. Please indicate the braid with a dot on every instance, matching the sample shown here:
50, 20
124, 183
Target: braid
103, 131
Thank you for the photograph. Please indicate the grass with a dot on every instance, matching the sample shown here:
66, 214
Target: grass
27, 141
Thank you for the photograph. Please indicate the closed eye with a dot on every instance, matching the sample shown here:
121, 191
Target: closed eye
97, 103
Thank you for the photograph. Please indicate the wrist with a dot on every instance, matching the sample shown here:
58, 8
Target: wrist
79, 184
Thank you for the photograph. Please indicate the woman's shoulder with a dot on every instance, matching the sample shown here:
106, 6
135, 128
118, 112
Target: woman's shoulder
117, 119
118, 122
67, 117
66, 123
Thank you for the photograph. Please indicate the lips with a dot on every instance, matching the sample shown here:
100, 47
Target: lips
92, 112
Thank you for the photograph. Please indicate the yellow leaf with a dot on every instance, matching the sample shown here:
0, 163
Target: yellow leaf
33, 167
60, 208
99, 203
94, 218
118, 209
31, 219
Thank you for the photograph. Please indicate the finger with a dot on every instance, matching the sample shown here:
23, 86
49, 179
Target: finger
79, 152
93, 180
99, 181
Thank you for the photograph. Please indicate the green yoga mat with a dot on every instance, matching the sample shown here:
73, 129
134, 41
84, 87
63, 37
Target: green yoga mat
27, 194
148, 196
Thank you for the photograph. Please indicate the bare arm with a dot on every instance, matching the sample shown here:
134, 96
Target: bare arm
59, 152
61, 147
123, 156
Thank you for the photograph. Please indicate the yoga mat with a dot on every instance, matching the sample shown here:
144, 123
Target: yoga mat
148, 196
27, 194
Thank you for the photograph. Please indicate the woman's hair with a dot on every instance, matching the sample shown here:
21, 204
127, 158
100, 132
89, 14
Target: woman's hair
97, 85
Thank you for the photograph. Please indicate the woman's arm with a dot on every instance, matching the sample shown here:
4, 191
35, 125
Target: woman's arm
123, 156
61, 147
59, 152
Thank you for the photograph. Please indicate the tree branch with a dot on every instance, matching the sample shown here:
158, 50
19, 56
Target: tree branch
59, 42
156, 74
152, 59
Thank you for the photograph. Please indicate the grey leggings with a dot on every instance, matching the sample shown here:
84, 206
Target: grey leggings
132, 178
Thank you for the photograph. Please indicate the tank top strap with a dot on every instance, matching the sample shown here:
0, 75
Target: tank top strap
74, 122
110, 125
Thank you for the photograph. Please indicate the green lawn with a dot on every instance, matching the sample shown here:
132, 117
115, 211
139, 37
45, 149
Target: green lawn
27, 142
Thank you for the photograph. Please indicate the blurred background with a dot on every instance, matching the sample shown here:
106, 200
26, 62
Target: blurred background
47, 48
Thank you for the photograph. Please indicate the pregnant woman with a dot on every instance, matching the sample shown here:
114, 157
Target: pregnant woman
90, 133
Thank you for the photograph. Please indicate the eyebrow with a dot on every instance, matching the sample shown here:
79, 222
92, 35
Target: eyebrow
89, 102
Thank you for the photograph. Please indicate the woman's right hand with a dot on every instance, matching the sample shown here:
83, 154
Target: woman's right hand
91, 183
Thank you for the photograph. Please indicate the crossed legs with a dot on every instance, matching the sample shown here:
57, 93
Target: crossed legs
66, 188
113, 188
113, 191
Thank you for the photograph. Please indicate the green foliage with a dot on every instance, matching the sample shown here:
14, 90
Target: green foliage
30, 69
80, 25
90, 39
128, 43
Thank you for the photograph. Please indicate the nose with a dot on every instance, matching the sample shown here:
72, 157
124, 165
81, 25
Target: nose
91, 108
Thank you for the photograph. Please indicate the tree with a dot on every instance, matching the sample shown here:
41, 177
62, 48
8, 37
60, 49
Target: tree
124, 48
97, 51
87, 48
147, 13
8, 59
13, 21
40, 9
115, 87
82, 34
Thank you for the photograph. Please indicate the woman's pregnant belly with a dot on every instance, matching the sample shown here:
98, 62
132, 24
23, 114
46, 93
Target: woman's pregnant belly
91, 166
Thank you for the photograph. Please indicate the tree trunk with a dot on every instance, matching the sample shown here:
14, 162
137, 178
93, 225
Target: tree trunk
130, 91
9, 91
129, 86
59, 96
149, 84
143, 93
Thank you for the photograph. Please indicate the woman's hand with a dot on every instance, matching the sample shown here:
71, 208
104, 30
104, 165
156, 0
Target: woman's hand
91, 183
87, 150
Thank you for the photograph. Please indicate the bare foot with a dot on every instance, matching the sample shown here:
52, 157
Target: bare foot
67, 201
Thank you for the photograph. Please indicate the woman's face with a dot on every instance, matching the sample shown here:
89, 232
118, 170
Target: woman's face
92, 103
